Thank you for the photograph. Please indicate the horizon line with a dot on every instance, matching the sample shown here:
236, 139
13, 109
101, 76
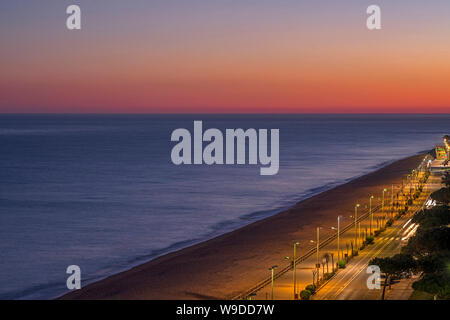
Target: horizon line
224, 113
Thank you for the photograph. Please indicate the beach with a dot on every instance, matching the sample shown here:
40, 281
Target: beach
224, 266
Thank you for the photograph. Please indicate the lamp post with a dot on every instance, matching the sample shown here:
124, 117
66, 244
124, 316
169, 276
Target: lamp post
382, 204
332, 262
338, 236
294, 277
317, 254
371, 213
356, 224
271, 269
392, 202
317, 245
359, 231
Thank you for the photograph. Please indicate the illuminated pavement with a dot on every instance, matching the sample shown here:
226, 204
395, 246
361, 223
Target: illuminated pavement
350, 283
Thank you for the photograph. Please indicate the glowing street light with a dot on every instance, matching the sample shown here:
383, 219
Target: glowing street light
317, 243
338, 235
371, 213
359, 231
294, 268
382, 203
392, 201
356, 224
272, 268
317, 253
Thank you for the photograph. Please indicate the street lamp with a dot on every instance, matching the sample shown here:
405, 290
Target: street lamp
272, 268
392, 202
338, 236
294, 268
317, 253
359, 231
356, 225
317, 243
318, 250
371, 213
382, 204
318, 263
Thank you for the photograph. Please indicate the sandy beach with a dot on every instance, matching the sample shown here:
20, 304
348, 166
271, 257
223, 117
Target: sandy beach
223, 267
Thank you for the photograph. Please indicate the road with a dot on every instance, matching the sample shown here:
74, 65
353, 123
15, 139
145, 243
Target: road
351, 282
348, 283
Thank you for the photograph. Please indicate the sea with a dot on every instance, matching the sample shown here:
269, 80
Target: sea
101, 191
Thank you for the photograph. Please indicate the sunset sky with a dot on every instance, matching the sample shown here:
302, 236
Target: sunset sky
182, 56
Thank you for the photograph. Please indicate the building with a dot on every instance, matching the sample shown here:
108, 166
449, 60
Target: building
441, 163
441, 152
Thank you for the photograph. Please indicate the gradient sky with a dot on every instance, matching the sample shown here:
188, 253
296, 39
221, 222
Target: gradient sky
232, 56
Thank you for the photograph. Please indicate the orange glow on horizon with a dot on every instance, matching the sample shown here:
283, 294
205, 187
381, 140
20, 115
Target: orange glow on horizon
328, 67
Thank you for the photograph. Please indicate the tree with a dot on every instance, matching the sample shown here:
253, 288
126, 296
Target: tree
437, 284
305, 294
431, 246
441, 196
311, 288
341, 264
400, 265
428, 241
434, 263
434, 217
397, 266
370, 239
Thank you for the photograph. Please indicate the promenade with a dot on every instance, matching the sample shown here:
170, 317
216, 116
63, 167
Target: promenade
350, 283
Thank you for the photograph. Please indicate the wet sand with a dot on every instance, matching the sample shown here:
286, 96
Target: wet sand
223, 267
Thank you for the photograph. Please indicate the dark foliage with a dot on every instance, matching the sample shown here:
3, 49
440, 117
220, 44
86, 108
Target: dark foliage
428, 241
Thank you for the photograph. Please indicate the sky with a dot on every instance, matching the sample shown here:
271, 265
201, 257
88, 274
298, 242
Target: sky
224, 56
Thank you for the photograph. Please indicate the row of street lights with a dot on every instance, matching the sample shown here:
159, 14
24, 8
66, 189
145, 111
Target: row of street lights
411, 176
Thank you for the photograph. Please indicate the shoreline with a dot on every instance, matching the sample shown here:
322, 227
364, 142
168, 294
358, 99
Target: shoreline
249, 218
212, 269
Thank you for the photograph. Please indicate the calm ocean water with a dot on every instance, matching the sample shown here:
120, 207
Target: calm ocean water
100, 191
